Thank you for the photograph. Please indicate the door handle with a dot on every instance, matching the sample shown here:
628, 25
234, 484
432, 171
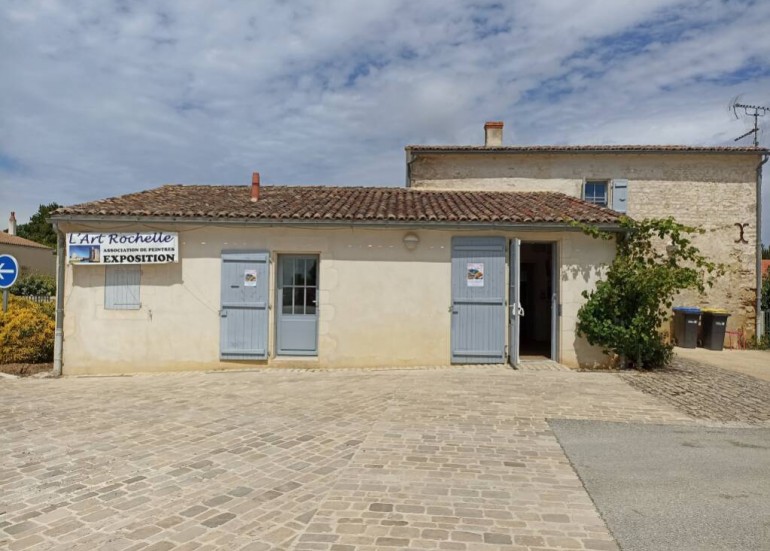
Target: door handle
223, 313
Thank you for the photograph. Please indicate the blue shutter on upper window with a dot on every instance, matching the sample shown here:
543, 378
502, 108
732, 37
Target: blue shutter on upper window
620, 195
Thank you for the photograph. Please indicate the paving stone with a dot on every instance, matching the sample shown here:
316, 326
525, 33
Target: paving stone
144, 532
193, 511
501, 539
160, 546
27, 543
530, 541
218, 520
392, 542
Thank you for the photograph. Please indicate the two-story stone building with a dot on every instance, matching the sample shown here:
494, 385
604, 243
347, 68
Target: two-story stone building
476, 260
714, 188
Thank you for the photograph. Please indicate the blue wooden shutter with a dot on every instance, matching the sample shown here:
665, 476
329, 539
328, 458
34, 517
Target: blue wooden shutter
620, 195
478, 311
121, 287
244, 311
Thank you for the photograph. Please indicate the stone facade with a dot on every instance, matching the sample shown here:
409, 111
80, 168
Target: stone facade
712, 190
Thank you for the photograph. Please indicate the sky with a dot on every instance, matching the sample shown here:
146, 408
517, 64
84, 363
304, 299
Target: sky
104, 98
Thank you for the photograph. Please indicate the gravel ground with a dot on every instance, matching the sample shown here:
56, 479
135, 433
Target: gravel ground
25, 370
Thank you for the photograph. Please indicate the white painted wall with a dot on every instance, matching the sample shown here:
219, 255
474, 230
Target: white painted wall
379, 304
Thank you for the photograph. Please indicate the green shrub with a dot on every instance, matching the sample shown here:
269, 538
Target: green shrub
762, 343
655, 260
26, 333
34, 285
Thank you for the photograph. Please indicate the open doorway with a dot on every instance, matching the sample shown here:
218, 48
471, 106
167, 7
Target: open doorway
536, 337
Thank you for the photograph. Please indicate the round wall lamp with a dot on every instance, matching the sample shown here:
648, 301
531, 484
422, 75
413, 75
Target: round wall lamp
411, 240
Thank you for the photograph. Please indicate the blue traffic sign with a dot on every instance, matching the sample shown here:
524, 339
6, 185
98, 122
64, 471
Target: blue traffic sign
9, 270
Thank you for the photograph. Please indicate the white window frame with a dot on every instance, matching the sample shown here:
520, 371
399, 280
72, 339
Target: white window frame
608, 188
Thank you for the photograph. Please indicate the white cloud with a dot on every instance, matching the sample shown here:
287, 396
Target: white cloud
109, 97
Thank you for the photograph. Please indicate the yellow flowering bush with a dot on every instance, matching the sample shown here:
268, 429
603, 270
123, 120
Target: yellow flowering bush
26, 332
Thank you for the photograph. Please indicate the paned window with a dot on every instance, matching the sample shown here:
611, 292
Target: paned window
595, 191
299, 285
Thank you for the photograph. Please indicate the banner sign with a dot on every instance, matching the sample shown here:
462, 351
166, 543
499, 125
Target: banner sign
123, 248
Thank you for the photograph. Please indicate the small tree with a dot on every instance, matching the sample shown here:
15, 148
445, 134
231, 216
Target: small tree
655, 260
39, 229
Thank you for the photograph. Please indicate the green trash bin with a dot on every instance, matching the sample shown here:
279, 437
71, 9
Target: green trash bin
686, 320
714, 327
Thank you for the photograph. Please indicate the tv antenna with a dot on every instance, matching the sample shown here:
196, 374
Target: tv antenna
755, 111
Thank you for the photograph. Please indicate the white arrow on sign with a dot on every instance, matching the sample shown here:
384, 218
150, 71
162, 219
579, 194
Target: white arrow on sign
8, 275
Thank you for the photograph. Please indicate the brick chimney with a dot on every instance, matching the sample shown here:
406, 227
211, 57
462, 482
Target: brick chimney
493, 133
255, 187
12, 224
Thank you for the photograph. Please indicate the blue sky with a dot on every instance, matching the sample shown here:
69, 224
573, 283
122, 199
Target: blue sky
104, 98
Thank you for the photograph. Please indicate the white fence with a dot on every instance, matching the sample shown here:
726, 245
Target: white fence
40, 298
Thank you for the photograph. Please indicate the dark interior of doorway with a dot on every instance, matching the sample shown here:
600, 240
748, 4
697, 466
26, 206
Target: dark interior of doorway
536, 290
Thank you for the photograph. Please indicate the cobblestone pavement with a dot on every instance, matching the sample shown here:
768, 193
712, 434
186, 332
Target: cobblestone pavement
707, 392
456, 459
541, 365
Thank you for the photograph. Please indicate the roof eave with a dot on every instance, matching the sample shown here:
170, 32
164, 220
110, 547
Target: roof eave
314, 223
39, 246
441, 150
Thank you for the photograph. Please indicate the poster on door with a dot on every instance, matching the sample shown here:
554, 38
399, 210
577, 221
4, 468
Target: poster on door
250, 278
475, 274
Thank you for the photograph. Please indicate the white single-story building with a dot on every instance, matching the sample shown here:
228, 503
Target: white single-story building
33, 258
219, 277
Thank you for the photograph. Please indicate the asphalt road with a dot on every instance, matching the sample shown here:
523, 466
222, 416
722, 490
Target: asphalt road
661, 487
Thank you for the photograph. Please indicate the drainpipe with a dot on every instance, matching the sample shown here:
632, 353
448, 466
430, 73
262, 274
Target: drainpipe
58, 343
759, 320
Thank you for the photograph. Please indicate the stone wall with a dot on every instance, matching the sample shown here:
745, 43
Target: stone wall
714, 191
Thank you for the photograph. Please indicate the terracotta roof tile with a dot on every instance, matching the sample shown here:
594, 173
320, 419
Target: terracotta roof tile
8, 239
347, 204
